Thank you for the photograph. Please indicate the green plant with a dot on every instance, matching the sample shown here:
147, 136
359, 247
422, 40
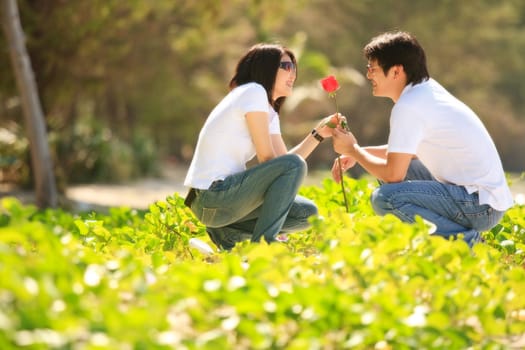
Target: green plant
128, 279
91, 152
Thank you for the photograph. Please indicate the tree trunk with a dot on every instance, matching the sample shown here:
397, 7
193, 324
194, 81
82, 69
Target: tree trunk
45, 185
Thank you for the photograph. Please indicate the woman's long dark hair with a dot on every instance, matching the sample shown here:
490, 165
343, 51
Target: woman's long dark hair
260, 65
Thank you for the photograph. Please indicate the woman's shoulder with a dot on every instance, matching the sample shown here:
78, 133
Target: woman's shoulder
252, 86
250, 91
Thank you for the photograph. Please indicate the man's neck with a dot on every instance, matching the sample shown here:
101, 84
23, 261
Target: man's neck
397, 94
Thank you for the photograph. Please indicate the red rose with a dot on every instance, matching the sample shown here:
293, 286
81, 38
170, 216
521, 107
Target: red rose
330, 84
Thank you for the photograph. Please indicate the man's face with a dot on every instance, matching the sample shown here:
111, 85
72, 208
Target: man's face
383, 85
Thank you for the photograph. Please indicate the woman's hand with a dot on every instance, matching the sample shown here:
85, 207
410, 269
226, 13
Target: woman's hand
325, 126
347, 162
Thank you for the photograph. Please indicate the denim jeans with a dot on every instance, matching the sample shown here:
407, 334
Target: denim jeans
450, 207
259, 202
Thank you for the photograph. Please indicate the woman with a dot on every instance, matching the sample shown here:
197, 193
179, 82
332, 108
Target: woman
236, 203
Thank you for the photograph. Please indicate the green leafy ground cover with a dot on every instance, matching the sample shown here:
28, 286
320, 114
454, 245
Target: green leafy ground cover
129, 280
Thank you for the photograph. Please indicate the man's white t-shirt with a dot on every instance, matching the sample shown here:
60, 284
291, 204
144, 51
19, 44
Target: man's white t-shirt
225, 144
450, 140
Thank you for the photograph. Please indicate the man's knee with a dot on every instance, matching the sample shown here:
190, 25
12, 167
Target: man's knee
379, 202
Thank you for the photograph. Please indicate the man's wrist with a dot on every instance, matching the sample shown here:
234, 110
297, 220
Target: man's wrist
353, 149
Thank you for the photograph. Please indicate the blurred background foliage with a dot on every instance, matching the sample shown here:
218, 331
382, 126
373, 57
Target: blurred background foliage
126, 85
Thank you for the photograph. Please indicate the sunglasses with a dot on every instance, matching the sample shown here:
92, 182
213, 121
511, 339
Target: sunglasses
287, 66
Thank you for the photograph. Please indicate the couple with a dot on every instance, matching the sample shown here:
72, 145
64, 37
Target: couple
440, 162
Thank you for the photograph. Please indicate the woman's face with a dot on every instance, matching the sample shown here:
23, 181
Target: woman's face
285, 78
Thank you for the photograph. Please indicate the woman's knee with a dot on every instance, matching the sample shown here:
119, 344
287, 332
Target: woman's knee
303, 208
300, 218
310, 210
295, 162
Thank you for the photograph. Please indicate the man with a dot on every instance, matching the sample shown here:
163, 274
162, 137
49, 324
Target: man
440, 162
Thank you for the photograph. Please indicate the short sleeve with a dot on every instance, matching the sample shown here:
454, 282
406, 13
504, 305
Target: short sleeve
254, 99
406, 130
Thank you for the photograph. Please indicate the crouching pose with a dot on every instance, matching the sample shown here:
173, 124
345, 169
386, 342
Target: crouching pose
440, 162
237, 203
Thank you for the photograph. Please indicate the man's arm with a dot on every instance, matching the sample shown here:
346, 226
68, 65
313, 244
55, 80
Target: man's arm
388, 167
378, 151
346, 161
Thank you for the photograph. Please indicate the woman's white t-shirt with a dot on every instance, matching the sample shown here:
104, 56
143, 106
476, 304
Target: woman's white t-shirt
450, 140
225, 144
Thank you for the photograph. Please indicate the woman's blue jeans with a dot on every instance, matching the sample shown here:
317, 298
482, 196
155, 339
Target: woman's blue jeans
259, 202
450, 207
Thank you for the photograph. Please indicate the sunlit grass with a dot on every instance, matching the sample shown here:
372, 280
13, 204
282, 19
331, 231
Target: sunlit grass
129, 279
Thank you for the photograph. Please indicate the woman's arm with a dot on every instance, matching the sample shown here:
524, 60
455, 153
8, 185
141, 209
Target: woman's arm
310, 142
270, 146
303, 149
260, 133
306, 146
278, 145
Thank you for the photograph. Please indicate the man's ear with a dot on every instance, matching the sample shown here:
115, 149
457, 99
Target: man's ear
397, 70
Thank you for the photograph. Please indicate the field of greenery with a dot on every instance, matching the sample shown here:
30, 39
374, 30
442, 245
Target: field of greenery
129, 279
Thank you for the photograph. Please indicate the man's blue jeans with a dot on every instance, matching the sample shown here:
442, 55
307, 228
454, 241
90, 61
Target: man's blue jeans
259, 202
450, 207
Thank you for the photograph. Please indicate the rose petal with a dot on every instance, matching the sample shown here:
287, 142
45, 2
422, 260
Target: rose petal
330, 84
